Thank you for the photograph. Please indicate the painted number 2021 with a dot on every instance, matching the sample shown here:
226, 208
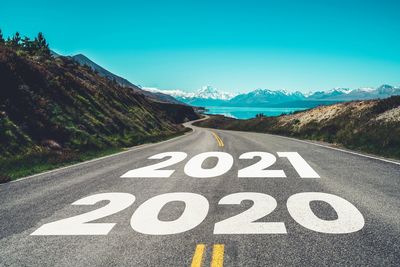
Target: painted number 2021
193, 167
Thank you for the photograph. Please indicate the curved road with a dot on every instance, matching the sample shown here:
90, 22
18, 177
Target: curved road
371, 185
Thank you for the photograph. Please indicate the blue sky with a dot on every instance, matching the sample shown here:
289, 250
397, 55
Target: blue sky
231, 45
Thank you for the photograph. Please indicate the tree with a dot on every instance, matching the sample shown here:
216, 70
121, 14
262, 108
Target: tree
28, 45
260, 115
41, 45
1, 37
15, 40
41, 41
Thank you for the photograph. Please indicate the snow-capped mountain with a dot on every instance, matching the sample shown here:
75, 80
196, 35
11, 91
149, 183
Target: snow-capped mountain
174, 93
387, 90
206, 96
330, 93
265, 96
364, 93
208, 92
209, 96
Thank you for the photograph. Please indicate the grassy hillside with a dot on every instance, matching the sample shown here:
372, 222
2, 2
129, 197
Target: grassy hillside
54, 111
372, 126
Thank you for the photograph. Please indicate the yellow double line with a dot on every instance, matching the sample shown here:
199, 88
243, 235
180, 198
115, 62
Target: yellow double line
217, 256
219, 140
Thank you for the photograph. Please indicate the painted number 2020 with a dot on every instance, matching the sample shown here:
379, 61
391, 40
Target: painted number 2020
145, 219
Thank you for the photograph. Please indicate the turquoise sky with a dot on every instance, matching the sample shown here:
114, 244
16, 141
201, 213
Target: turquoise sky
231, 45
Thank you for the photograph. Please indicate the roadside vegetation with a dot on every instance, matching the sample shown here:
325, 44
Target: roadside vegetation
372, 126
54, 111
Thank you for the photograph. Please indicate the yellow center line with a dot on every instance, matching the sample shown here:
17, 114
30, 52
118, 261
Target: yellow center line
219, 140
218, 256
197, 260
217, 259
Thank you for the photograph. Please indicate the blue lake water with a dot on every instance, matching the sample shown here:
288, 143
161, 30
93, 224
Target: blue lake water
249, 112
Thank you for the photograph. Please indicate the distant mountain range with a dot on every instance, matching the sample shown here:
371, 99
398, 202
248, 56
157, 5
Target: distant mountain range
209, 96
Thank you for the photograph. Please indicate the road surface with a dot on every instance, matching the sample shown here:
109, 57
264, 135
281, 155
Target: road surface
371, 185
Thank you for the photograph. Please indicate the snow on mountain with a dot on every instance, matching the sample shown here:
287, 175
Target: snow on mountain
356, 94
274, 92
265, 96
340, 90
388, 90
174, 93
206, 92
365, 89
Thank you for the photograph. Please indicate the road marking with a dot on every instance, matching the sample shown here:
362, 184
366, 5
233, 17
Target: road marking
337, 149
219, 140
217, 259
198, 256
218, 256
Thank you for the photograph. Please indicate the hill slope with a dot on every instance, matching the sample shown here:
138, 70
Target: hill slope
83, 60
372, 126
54, 108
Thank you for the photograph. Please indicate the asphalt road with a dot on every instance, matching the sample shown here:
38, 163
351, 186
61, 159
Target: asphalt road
371, 185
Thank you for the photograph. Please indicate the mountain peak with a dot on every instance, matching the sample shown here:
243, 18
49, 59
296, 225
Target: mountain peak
386, 89
343, 90
80, 56
207, 88
209, 92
